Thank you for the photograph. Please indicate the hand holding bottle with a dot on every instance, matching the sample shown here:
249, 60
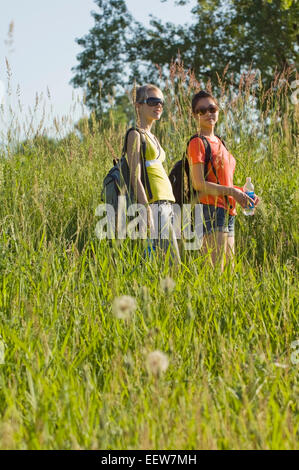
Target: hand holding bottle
249, 191
242, 198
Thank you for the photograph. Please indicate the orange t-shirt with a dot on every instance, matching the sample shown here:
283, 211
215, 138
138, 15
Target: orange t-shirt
224, 164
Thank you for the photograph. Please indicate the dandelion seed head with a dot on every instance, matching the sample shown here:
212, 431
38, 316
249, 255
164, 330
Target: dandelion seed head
156, 363
167, 284
123, 307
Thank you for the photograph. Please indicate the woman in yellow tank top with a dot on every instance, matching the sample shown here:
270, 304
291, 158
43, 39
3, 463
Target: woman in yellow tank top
149, 107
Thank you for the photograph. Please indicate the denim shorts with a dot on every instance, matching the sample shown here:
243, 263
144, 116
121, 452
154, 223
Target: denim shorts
217, 219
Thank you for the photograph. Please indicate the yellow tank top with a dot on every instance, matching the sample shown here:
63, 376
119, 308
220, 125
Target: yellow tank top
158, 179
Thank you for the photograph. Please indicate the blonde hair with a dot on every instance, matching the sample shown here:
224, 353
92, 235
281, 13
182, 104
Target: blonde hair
139, 94
141, 91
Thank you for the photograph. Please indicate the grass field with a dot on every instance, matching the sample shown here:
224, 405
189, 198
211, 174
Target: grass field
74, 374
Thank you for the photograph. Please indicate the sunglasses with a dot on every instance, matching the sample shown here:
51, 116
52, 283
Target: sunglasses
202, 110
153, 102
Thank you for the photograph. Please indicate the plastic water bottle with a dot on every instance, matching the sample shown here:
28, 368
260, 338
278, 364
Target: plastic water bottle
249, 190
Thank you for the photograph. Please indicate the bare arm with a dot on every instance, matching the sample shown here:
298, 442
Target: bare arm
134, 161
205, 187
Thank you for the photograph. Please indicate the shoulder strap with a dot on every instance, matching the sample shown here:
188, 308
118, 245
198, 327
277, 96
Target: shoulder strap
144, 174
220, 138
191, 138
185, 159
208, 157
143, 142
208, 153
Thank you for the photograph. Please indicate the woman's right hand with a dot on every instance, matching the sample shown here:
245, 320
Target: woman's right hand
242, 198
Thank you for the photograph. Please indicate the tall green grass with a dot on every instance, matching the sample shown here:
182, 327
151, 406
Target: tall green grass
76, 376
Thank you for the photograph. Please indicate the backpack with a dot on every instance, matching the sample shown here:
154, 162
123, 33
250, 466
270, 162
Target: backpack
180, 178
117, 181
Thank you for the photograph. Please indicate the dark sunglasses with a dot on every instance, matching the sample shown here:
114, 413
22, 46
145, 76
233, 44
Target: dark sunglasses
202, 110
152, 102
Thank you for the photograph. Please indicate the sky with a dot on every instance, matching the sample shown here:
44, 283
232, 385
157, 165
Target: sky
42, 50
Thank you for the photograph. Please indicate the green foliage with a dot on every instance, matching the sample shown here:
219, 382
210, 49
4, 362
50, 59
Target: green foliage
75, 375
44, 143
102, 62
224, 35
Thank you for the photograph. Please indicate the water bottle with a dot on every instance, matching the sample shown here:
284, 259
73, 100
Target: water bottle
249, 190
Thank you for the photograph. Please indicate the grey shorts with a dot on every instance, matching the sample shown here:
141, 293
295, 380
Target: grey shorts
164, 235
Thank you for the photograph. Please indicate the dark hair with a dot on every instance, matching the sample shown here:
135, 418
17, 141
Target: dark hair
198, 96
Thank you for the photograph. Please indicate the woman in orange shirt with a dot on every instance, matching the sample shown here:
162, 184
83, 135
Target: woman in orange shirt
217, 191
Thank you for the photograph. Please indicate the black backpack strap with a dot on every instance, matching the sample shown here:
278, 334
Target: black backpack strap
144, 174
208, 153
220, 138
191, 138
208, 157
185, 159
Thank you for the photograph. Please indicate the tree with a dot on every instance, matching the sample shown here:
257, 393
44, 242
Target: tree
260, 34
239, 34
103, 60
